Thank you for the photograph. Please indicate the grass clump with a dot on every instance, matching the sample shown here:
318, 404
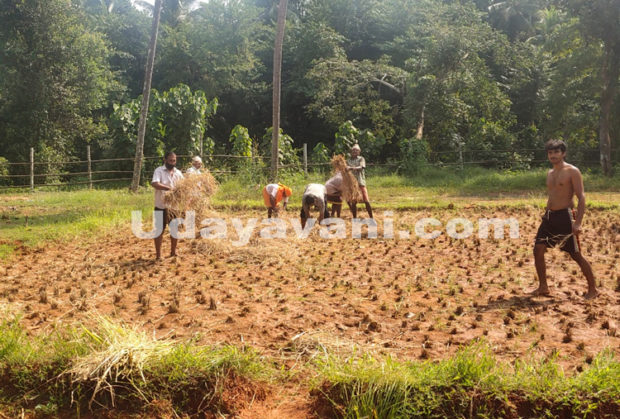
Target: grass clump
111, 365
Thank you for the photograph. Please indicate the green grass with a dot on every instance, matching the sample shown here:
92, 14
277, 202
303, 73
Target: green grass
433, 187
59, 372
33, 218
473, 382
77, 368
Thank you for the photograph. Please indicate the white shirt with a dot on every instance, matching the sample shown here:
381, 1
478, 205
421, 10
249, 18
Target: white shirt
163, 176
193, 171
315, 190
272, 189
334, 184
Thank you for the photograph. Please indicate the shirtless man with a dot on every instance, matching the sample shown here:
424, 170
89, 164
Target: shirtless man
560, 225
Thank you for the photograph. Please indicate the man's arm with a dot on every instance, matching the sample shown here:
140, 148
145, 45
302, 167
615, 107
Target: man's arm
360, 167
577, 181
160, 186
548, 191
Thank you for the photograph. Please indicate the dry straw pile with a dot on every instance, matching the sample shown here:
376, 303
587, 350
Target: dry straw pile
192, 193
350, 187
116, 357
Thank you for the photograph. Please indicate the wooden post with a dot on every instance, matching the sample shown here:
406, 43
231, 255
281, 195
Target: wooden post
90, 173
461, 155
32, 169
306, 159
277, 81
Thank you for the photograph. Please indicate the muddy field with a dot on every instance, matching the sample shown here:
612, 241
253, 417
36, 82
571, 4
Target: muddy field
413, 298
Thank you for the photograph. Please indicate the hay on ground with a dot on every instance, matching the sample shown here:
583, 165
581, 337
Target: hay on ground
192, 193
350, 187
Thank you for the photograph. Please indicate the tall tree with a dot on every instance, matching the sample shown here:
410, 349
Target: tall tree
148, 75
54, 77
277, 73
600, 20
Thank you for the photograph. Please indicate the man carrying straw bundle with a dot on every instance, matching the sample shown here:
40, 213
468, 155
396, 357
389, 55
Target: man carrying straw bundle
356, 164
273, 194
164, 179
190, 197
560, 225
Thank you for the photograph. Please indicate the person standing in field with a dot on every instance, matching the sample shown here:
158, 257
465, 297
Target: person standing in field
273, 194
315, 195
195, 167
356, 164
164, 179
561, 224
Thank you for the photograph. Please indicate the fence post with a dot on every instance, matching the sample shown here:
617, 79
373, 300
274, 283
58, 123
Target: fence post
32, 169
306, 159
90, 172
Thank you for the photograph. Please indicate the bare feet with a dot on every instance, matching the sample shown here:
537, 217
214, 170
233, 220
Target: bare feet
540, 292
591, 294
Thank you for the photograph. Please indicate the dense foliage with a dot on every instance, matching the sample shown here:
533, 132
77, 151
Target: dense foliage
487, 80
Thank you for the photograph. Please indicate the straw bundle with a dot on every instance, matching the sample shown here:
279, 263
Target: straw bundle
191, 194
116, 356
350, 187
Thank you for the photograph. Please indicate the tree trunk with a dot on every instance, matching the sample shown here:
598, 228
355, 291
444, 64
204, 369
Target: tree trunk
609, 73
420, 131
146, 93
277, 75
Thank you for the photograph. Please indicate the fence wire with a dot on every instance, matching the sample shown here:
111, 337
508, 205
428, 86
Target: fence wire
34, 174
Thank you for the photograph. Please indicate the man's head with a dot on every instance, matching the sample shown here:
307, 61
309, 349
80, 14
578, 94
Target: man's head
356, 150
197, 162
556, 150
170, 160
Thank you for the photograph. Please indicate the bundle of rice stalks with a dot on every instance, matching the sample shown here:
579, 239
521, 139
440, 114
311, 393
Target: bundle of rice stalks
350, 187
191, 193
116, 356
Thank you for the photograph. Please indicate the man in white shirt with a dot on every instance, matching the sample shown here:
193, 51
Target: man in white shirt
164, 179
273, 194
315, 195
195, 167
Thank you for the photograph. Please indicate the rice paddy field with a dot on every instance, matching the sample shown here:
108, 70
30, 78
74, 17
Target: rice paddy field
296, 327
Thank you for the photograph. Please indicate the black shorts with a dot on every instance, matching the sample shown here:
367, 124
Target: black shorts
334, 199
167, 215
556, 229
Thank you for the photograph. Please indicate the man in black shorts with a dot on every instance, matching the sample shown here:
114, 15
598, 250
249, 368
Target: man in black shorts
561, 225
164, 179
